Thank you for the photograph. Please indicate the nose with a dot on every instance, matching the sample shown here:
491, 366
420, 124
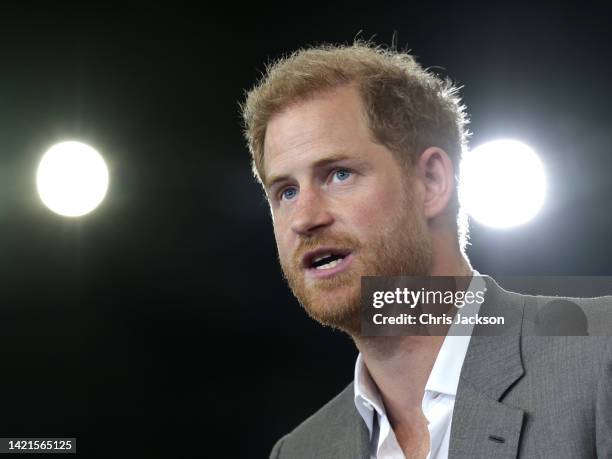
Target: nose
310, 213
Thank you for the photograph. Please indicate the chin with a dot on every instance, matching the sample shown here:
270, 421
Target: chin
339, 308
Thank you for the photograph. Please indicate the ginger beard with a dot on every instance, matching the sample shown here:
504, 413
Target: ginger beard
402, 247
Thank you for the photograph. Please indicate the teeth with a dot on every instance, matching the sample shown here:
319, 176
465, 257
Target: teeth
321, 257
330, 265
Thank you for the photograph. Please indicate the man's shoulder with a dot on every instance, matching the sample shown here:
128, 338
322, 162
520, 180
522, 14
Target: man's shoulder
329, 414
325, 431
548, 315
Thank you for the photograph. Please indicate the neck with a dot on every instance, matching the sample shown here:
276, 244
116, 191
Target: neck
400, 365
447, 257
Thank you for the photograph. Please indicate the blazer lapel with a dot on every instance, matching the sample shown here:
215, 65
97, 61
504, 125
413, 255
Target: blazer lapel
482, 426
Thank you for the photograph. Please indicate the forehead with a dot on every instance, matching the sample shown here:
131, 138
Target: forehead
330, 123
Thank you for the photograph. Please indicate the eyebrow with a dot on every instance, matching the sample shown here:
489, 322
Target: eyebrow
334, 158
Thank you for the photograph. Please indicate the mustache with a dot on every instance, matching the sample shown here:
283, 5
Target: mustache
341, 241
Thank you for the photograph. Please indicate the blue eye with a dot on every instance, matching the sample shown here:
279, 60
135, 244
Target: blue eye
342, 174
289, 193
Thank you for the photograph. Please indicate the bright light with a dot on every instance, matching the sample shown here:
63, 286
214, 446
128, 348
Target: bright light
502, 183
72, 179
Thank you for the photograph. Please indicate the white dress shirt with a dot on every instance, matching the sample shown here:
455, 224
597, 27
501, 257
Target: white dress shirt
438, 400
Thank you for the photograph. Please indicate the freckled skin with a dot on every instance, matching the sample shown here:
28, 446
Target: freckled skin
369, 208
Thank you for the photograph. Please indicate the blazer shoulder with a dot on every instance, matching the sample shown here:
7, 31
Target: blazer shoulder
569, 316
326, 416
334, 424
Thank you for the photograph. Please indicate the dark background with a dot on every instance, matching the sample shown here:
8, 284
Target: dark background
159, 325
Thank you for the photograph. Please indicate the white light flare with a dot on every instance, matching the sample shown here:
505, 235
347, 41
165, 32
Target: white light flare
72, 179
503, 183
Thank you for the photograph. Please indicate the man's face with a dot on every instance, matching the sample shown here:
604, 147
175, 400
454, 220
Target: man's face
342, 206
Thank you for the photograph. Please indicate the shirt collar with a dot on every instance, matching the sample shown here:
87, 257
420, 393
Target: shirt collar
367, 396
444, 376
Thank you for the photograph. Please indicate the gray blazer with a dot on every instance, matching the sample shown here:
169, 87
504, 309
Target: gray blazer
518, 396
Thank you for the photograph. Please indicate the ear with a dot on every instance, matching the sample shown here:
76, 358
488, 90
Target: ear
436, 171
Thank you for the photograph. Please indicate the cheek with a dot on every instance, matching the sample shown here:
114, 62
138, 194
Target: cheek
282, 243
378, 208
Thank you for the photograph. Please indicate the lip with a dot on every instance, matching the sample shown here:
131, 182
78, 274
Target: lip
327, 273
310, 256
